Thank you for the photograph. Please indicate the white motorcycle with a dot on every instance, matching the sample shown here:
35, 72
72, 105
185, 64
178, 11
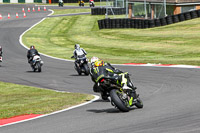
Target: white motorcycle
1, 59
37, 63
91, 3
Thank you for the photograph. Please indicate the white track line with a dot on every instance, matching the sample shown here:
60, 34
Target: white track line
96, 97
76, 106
148, 64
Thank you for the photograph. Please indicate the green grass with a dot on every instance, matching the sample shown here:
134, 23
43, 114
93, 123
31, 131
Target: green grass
68, 11
173, 44
19, 99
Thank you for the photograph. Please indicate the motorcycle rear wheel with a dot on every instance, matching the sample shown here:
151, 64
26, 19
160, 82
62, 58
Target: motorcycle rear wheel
39, 67
117, 101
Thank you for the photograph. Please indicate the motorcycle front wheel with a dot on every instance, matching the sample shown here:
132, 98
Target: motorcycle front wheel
139, 103
116, 99
87, 71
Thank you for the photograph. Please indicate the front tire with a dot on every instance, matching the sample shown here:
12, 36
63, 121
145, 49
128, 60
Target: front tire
117, 101
87, 72
139, 103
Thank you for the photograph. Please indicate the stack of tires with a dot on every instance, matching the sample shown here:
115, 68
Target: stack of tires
98, 11
147, 23
102, 11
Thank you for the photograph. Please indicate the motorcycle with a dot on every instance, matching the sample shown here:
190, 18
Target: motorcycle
1, 59
37, 63
60, 4
118, 97
91, 3
81, 65
81, 3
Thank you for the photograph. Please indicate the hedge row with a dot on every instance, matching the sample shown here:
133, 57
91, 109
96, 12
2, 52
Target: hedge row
146, 23
102, 11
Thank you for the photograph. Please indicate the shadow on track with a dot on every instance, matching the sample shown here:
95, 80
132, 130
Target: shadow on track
110, 110
32, 72
77, 75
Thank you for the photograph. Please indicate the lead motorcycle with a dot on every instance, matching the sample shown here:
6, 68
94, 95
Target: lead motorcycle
81, 65
37, 63
118, 97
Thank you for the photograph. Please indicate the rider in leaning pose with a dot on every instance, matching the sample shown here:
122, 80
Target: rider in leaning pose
99, 68
1, 51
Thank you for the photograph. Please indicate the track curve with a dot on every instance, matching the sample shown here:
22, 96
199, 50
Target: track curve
170, 95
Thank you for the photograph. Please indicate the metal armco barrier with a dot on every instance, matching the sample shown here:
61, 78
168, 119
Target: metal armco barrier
146, 23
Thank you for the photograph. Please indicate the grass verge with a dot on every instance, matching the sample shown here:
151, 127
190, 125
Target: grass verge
68, 11
173, 44
19, 99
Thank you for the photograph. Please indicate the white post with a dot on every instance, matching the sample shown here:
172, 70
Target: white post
127, 9
165, 8
145, 8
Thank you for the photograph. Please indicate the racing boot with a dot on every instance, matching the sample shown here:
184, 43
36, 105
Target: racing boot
133, 98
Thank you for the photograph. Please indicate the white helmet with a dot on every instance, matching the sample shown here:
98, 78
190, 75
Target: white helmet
77, 46
93, 59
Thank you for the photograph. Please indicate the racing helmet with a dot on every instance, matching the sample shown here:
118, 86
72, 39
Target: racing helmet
98, 63
93, 59
77, 46
32, 47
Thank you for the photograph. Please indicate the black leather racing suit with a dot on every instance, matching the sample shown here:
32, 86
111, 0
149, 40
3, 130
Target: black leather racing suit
31, 53
106, 70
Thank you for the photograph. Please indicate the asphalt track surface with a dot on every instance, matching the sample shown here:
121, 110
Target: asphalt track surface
170, 95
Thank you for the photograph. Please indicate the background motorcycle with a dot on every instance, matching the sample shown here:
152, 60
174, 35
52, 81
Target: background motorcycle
37, 63
81, 65
1, 59
60, 4
91, 3
118, 96
81, 3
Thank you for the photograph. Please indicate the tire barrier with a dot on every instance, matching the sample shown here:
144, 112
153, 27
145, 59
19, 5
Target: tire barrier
187, 16
194, 14
169, 19
146, 23
157, 22
181, 17
175, 18
102, 11
163, 21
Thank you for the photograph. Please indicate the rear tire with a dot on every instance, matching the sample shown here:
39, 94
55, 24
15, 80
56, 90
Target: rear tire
39, 67
117, 101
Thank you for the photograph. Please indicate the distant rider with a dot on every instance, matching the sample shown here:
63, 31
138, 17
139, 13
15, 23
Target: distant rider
91, 1
60, 2
1, 51
31, 53
122, 79
79, 52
